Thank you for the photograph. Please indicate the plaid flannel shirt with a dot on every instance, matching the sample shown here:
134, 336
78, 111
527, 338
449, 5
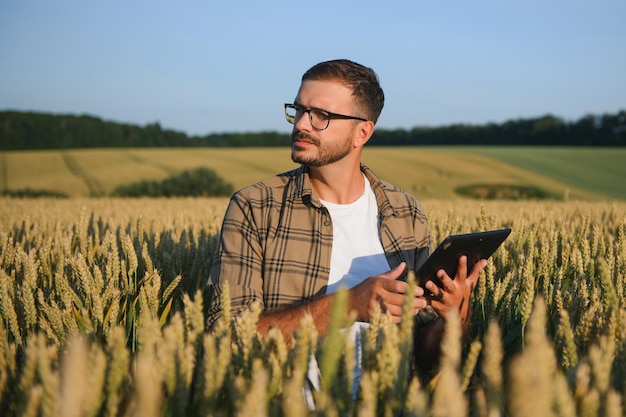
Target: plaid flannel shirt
276, 239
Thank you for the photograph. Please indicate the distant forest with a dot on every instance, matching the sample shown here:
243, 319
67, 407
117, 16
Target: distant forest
28, 130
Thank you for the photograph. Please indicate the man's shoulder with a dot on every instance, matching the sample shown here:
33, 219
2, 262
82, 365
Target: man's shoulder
400, 199
392, 189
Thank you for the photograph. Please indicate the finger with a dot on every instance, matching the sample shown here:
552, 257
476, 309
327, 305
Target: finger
439, 308
402, 287
394, 273
436, 296
436, 293
475, 273
395, 286
419, 303
447, 283
394, 310
393, 298
442, 274
418, 291
479, 266
461, 270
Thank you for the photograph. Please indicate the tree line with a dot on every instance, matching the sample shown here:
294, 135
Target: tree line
31, 130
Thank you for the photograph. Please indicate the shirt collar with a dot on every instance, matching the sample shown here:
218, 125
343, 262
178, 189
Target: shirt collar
301, 188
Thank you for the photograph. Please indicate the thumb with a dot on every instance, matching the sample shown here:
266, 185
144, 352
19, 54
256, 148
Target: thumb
396, 272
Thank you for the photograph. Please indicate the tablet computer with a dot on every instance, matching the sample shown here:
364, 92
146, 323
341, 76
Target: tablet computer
476, 246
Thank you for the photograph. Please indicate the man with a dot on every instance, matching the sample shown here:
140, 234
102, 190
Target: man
291, 241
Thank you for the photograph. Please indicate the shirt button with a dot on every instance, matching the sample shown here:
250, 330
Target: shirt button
326, 223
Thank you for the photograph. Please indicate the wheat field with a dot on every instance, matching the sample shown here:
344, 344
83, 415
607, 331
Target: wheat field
103, 304
427, 172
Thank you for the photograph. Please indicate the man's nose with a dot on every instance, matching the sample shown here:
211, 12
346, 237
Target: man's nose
304, 122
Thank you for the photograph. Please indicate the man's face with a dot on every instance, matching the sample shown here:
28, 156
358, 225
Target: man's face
318, 148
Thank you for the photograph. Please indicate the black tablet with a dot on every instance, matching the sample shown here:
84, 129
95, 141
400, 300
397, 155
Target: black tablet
476, 246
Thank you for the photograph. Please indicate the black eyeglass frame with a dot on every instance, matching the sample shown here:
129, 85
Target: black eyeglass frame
331, 115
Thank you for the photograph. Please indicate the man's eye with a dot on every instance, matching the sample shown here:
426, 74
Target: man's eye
319, 114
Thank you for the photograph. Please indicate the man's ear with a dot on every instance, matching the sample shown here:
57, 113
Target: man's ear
363, 133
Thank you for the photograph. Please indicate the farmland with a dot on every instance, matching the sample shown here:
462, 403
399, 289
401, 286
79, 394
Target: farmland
102, 307
427, 172
102, 300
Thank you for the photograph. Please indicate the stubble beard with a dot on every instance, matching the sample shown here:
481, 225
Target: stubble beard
325, 154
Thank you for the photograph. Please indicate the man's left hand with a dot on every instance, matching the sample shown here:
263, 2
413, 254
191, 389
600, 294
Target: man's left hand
454, 293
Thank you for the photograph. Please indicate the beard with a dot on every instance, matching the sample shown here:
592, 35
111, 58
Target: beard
319, 154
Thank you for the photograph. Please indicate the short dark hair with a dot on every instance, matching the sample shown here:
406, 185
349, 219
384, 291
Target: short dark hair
366, 89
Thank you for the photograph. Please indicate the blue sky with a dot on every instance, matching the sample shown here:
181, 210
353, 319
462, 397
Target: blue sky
207, 66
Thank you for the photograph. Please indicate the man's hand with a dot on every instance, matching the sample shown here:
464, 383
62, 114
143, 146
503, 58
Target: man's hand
455, 292
386, 291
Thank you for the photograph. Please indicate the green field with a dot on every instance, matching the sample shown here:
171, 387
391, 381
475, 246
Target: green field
599, 170
427, 172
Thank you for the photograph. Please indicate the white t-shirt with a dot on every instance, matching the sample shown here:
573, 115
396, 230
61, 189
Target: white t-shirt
357, 252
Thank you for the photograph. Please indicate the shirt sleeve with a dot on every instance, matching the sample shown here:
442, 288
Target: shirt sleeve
237, 261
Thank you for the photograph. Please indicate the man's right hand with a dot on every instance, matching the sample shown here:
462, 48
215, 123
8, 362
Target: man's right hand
386, 291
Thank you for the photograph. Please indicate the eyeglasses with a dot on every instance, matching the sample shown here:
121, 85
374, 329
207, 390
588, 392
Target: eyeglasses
320, 119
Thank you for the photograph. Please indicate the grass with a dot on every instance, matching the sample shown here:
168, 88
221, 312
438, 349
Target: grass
601, 170
427, 172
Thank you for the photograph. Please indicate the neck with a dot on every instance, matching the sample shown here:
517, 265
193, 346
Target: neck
339, 183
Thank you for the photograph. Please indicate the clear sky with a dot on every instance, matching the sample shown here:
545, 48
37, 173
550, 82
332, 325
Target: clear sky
228, 66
